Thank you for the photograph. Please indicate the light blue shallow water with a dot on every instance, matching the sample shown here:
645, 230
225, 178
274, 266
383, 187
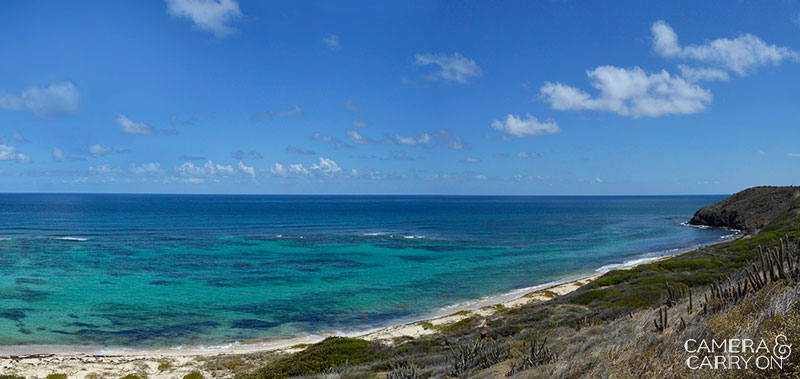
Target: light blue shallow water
163, 270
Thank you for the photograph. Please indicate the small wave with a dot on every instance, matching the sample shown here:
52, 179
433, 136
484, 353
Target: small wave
68, 238
5, 238
408, 237
626, 264
686, 223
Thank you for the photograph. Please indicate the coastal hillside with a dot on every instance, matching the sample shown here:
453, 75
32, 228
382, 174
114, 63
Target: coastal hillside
751, 209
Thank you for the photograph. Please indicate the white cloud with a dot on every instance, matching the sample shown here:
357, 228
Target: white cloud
247, 170
211, 15
528, 127
131, 127
351, 106
326, 166
697, 74
330, 140
526, 155
332, 41
209, 169
153, 168
294, 111
10, 153
481, 177
357, 138
103, 169
19, 138
455, 67
741, 54
470, 160
630, 92
99, 150
422, 139
793, 154
60, 156
277, 169
57, 99
360, 123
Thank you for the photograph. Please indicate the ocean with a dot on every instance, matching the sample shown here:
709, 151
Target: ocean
167, 271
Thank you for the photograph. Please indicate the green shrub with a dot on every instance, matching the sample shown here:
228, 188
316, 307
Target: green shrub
456, 326
330, 353
193, 375
56, 376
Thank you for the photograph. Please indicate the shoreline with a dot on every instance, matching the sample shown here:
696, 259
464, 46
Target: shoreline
39, 360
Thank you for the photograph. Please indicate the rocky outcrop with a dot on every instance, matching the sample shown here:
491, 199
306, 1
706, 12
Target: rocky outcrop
752, 209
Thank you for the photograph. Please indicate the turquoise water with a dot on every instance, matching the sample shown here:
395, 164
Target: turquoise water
164, 270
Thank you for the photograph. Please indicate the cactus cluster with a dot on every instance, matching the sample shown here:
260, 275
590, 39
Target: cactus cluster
403, 370
674, 293
582, 322
475, 354
774, 264
539, 354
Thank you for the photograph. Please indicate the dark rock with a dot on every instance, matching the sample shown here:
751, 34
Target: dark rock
751, 209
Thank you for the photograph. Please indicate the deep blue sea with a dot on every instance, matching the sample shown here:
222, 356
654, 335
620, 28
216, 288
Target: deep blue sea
183, 270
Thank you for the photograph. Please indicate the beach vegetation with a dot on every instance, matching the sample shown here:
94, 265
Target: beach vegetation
193, 375
56, 376
458, 325
330, 353
11, 377
426, 325
164, 366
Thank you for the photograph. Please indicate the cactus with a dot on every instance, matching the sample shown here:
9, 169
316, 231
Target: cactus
403, 370
661, 321
538, 355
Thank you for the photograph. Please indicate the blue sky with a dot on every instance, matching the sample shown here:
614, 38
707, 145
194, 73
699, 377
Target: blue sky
552, 97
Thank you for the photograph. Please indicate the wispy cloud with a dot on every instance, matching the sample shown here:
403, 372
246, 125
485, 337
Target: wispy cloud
332, 41
146, 169
298, 150
293, 111
351, 106
741, 55
98, 150
455, 67
61, 156
55, 100
239, 155
358, 139
528, 127
470, 160
360, 123
697, 74
210, 15
131, 127
528, 155
793, 154
330, 140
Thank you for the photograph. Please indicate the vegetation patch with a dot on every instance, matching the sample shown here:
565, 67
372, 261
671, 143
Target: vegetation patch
331, 353
456, 326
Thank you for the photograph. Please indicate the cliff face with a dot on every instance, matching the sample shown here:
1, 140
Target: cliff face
751, 209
